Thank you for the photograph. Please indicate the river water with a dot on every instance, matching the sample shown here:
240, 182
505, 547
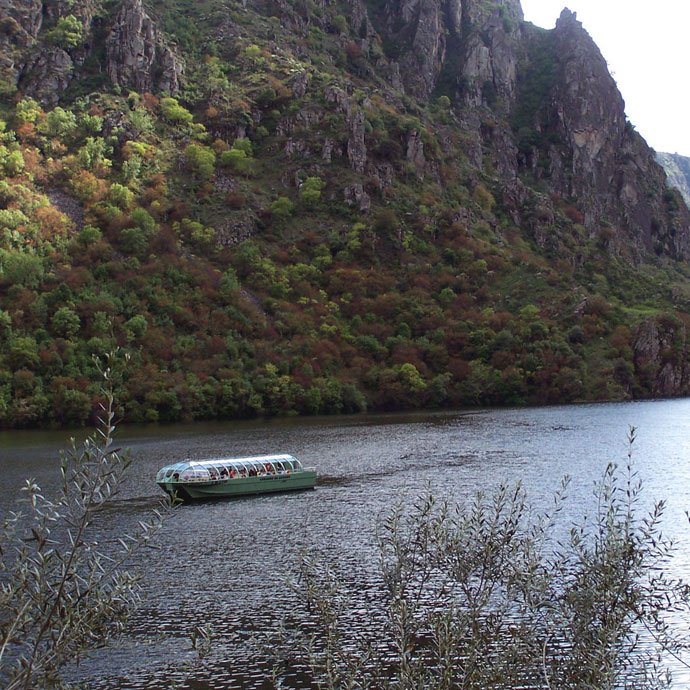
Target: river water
226, 562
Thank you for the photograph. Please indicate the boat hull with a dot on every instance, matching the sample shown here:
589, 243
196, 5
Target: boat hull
240, 486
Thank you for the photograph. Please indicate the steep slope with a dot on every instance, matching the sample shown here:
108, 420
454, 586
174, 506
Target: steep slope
308, 207
677, 170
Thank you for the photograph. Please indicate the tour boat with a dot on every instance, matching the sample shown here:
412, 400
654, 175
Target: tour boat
226, 477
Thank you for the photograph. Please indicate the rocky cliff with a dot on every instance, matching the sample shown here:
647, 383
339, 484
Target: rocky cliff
677, 170
46, 47
569, 132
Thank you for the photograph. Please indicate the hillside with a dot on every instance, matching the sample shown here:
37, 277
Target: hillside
677, 170
306, 207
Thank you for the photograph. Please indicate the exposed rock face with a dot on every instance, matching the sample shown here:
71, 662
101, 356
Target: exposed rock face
354, 117
356, 196
422, 26
660, 347
465, 42
137, 56
677, 170
26, 18
415, 152
583, 148
48, 75
20, 23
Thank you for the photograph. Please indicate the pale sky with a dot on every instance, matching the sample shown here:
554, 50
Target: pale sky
646, 46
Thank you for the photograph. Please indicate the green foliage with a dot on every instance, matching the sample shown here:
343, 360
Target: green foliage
58, 123
136, 327
135, 241
282, 208
65, 322
173, 112
201, 160
244, 145
339, 23
410, 295
143, 220
310, 191
92, 124
14, 163
27, 110
240, 157
94, 152
18, 268
68, 33
483, 197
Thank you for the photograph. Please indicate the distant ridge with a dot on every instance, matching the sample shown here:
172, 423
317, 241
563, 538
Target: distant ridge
677, 169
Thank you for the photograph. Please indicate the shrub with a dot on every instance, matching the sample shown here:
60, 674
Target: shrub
483, 197
201, 160
136, 327
64, 594
173, 112
65, 322
120, 196
282, 208
58, 123
67, 33
14, 164
310, 192
484, 595
18, 268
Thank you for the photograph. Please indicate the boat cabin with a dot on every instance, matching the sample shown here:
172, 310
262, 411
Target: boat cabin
213, 469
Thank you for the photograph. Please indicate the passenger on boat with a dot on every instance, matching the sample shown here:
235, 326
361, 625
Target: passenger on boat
233, 473
252, 472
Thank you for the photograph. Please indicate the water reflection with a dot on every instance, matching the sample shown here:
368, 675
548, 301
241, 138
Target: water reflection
226, 562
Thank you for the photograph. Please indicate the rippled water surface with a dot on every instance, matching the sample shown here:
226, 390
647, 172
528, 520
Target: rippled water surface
226, 562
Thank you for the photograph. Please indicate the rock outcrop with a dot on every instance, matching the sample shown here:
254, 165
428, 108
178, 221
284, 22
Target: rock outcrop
137, 57
575, 137
46, 76
677, 169
660, 355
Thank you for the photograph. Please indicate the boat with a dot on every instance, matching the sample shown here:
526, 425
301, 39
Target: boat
228, 477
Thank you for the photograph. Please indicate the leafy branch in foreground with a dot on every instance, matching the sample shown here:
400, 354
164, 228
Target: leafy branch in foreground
490, 595
61, 594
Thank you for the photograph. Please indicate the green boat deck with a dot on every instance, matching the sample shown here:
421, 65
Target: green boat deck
228, 477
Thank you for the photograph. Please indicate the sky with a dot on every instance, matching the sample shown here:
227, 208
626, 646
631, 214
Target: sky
646, 46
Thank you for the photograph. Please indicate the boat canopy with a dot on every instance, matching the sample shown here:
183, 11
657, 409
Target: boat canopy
211, 469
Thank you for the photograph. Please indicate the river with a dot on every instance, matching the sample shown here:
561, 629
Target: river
226, 562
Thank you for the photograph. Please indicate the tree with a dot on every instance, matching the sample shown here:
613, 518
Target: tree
67, 33
282, 208
65, 322
310, 191
14, 163
174, 112
201, 160
62, 595
58, 123
486, 595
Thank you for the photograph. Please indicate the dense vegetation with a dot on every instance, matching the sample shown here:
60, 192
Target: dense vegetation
243, 280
